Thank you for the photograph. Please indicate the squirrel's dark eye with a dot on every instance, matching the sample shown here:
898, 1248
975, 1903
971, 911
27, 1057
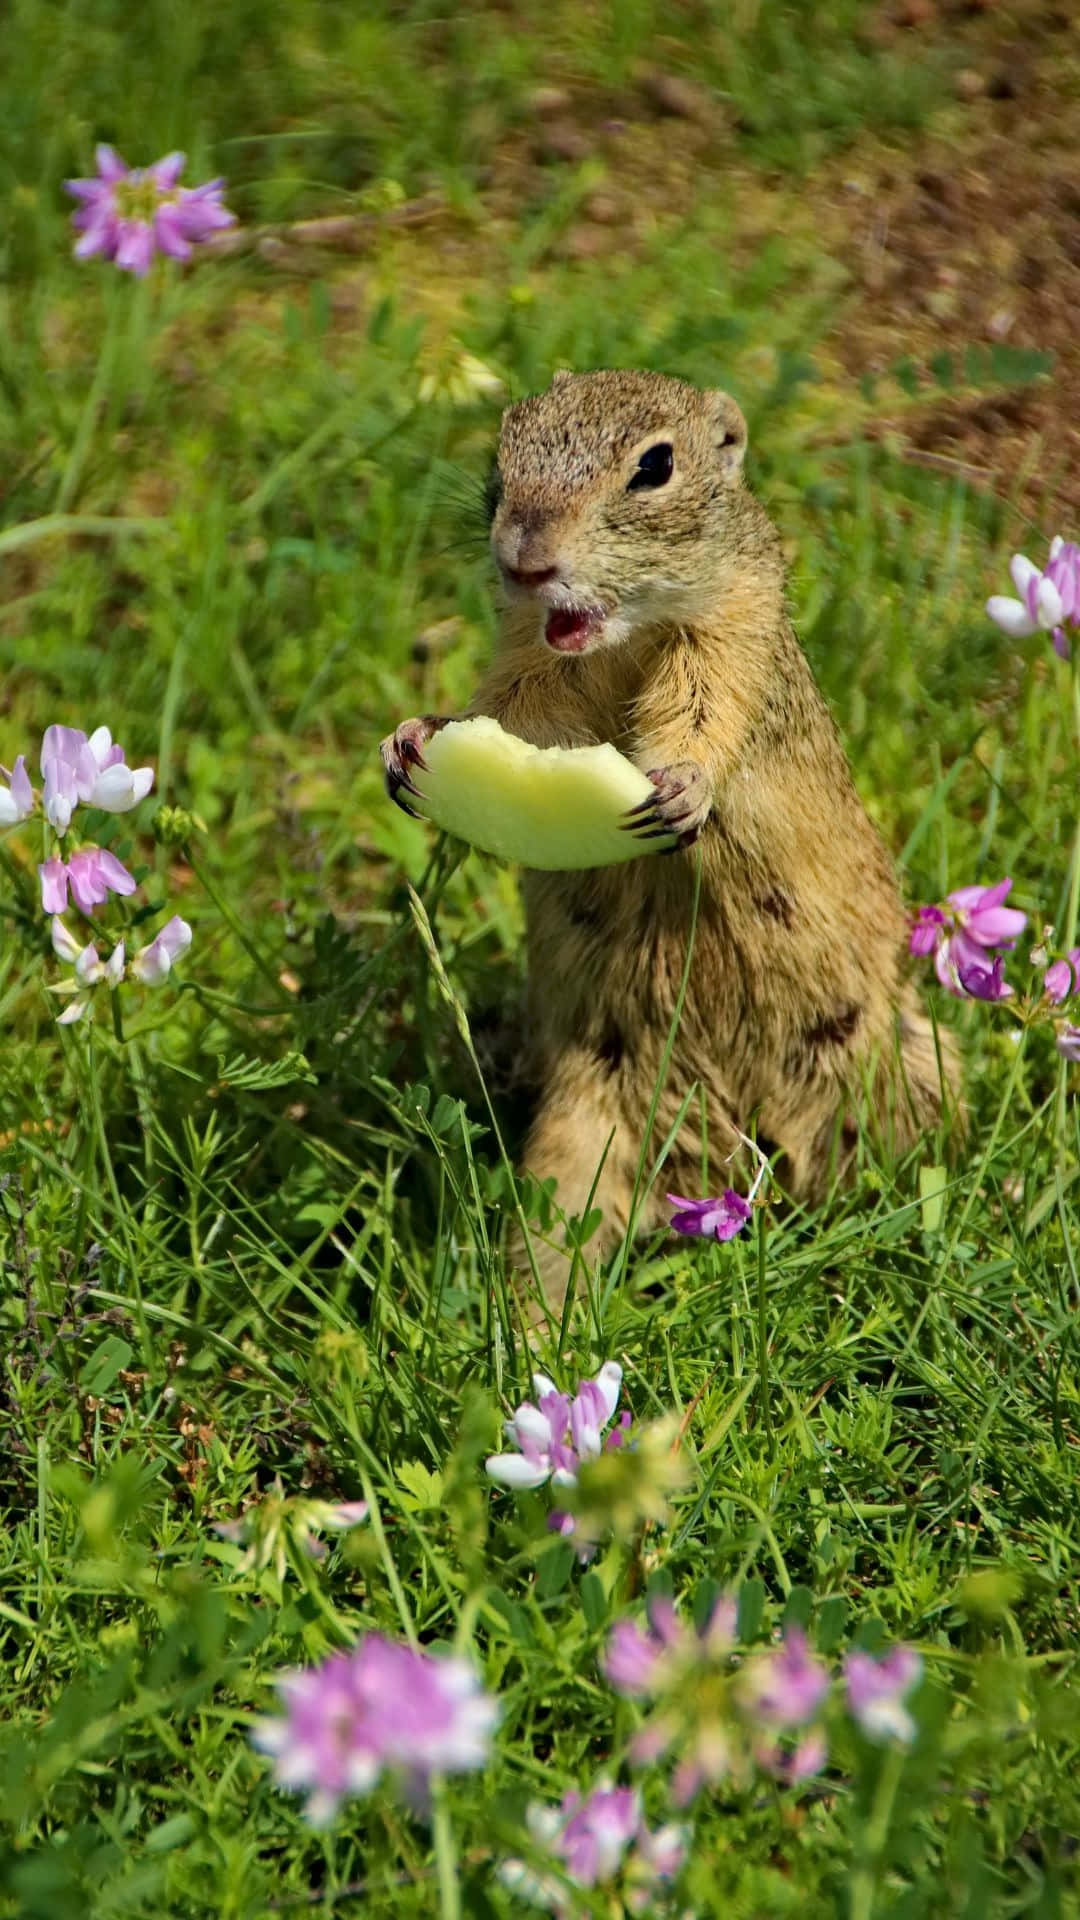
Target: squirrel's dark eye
654, 469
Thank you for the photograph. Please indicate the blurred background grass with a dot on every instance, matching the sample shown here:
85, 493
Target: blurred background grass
240, 521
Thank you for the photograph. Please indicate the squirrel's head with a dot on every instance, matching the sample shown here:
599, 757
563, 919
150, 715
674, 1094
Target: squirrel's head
618, 504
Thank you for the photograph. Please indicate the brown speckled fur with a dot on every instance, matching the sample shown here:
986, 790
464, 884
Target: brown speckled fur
796, 1000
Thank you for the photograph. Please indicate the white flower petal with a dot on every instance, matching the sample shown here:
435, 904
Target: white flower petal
114, 965
513, 1470
1010, 615
114, 790
1056, 545
65, 946
1049, 605
542, 1385
9, 812
609, 1381
1023, 572
529, 1423
74, 1011
99, 743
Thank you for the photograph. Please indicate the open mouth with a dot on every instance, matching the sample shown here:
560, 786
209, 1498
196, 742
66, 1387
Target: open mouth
569, 629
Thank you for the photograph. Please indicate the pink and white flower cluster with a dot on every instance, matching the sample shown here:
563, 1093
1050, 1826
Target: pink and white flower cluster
593, 1840
719, 1711
80, 769
1049, 597
555, 1433
380, 1707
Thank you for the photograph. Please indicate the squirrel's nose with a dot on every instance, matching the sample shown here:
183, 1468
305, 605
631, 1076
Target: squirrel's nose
530, 576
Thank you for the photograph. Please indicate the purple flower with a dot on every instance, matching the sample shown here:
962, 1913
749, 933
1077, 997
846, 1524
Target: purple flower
16, 799
984, 983
785, 1687
962, 940
1049, 599
152, 964
596, 1832
876, 1690
93, 873
555, 1434
638, 1662
1068, 1042
380, 1705
719, 1219
130, 213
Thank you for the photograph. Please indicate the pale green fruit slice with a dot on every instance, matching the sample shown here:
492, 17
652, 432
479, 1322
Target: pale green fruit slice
555, 808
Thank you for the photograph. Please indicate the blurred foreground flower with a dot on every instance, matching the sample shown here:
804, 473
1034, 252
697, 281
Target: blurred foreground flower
130, 213
1049, 599
382, 1705
590, 1839
716, 1715
876, 1690
962, 937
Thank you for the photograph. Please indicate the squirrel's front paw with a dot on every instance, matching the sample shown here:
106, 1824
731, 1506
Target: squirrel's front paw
680, 804
403, 750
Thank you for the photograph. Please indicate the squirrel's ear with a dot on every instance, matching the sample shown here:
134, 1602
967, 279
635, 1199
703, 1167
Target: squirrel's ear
729, 429
560, 376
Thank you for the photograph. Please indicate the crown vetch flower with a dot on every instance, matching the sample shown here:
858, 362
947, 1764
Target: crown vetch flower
963, 938
127, 214
381, 1705
1068, 1041
555, 1433
17, 798
89, 967
717, 1219
1061, 977
92, 770
153, 964
785, 1687
877, 1689
638, 1662
1049, 598
593, 1838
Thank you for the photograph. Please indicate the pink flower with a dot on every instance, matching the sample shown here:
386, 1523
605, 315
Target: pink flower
382, 1705
555, 1434
926, 930
91, 770
638, 1662
719, 1219
54, 886
1068, 1042
1049, 599
130, 213
593, 1839
876, 1690
152, 964
16, 799
963, 939
93, 873
1061, 977
785, 1687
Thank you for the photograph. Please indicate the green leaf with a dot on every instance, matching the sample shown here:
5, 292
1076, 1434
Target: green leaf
104, 1364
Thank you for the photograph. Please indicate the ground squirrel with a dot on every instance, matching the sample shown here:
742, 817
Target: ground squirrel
644, 603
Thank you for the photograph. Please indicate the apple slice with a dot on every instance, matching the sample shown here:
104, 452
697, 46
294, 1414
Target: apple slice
554, 808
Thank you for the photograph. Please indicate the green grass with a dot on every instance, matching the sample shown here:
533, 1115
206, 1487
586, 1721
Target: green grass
259, 1238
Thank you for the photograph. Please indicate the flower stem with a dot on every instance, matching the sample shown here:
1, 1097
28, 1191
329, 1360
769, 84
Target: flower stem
446, 1864
259, 960
875, 1833
763, 1331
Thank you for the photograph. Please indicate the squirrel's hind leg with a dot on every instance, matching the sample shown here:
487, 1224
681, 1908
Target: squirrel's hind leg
580, 1138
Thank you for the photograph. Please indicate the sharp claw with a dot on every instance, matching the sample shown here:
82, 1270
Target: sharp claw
414, 756
405, 808
642, 806
658, 833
